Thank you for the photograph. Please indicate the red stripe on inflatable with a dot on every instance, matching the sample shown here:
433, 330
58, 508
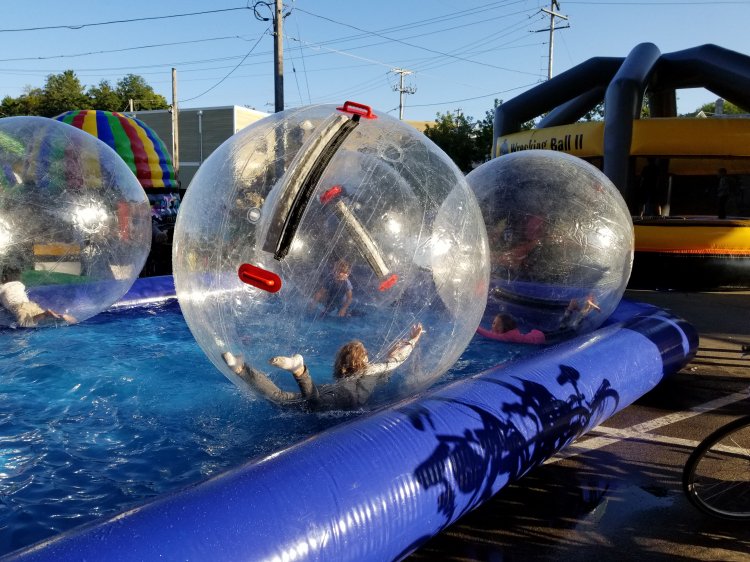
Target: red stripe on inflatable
78, 119
140, 158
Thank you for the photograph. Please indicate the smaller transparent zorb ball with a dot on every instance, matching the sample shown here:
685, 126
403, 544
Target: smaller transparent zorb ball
561, 241
318, 226
75, 225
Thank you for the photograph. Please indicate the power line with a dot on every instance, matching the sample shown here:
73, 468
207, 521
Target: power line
230, 72
665, 3
411, 44
362, 35
339, 52
476, 97
73, 55
304, 65
94, 24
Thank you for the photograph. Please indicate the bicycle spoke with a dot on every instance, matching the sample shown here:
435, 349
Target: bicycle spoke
717, 475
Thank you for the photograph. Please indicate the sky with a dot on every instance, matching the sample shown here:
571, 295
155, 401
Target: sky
460, 54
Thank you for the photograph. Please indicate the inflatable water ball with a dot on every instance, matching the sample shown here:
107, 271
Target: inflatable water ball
561, 242
321, 225
75, 225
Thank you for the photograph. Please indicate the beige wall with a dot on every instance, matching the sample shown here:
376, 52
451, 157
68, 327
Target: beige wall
421, 125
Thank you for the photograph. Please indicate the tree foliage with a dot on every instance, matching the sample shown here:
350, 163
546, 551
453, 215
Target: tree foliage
105, 97
728, 109
455, 133
64, 92
144, 98
466, 141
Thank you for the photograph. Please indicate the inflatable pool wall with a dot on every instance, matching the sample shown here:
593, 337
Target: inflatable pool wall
380, 486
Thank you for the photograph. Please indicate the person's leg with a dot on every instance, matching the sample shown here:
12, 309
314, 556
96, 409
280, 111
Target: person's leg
258, 381
722, 214
296, 365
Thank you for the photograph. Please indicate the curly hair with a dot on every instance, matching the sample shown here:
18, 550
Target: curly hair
350, 360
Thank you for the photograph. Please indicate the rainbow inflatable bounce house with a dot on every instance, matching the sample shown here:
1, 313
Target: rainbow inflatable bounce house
136, 143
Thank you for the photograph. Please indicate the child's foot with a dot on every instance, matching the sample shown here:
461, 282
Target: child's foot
294, 364
235, 362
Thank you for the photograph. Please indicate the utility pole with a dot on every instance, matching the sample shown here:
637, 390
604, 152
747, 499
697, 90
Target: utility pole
277, 16
402, 90
278, 57
554, 4
175, 129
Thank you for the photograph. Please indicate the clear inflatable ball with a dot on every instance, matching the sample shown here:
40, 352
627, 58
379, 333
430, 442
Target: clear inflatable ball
561, 244
322, 226
75, 225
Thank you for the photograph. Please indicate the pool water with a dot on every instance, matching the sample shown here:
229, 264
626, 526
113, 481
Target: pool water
99, 417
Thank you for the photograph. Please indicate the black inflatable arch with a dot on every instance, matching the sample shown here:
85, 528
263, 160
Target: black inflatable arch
622, 83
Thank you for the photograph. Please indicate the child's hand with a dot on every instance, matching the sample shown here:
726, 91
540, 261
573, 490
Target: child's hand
416, 331
590, 304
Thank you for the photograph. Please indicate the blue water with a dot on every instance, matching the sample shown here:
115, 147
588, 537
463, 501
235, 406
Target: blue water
99, 417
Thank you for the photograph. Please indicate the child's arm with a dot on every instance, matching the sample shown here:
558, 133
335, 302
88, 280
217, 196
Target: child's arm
347, 301
259, 381
296, 365
398, 353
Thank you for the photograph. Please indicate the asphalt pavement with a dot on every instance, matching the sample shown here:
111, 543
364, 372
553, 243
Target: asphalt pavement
616, 493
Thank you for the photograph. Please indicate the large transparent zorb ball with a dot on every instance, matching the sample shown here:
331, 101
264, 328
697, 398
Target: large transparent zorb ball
74, 221
321, 225
561, 241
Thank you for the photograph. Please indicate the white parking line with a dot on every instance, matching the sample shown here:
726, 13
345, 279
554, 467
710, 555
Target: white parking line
602, 436
701, 409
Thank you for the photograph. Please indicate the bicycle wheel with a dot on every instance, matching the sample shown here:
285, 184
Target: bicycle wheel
716, 478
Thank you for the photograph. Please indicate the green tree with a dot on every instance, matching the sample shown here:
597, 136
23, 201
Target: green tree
28, 103
596, 113
135, 87
710, 109
62, 92
485, 132
105, 97
455, 133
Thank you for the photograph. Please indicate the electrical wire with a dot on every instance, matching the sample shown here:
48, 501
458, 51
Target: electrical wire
132, 20
230, 72
304, 65
360, 36
476, 97
665, 3
124, 49
412, 45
